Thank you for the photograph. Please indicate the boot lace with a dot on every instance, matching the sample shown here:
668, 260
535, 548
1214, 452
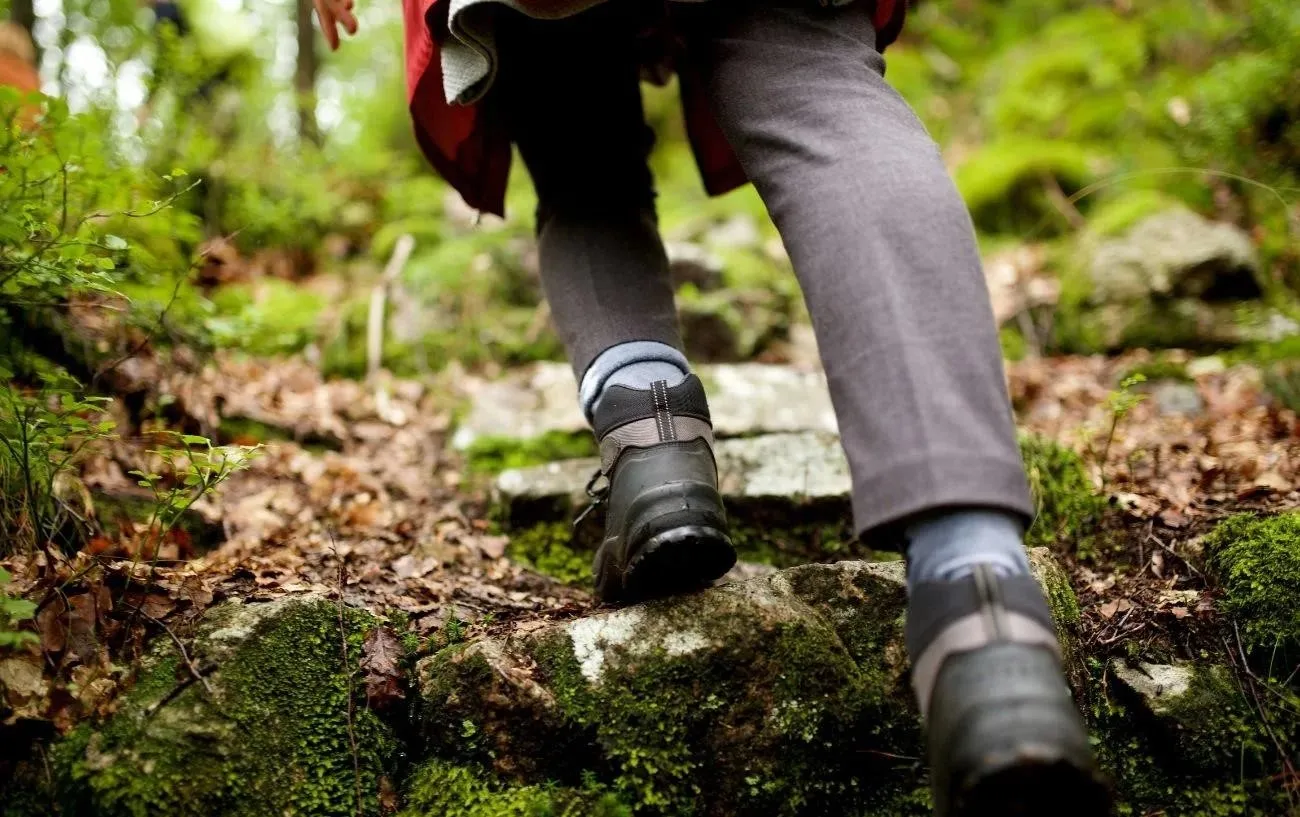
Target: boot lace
599, 496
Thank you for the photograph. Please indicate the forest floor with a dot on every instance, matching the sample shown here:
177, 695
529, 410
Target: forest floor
362, 498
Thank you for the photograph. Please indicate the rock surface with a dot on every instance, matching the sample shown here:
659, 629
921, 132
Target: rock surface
1175, 254
782, 470
744, 398
268, 729
784, 694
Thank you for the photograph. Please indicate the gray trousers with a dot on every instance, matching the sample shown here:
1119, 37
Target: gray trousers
878, 236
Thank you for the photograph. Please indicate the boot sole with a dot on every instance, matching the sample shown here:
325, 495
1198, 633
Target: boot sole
1033, 782
678, 560
1010, 740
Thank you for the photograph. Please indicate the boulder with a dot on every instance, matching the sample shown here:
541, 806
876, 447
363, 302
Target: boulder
786, 694
1199, 719
260, 715
1176, 254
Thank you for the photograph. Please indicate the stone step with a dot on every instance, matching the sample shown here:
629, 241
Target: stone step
780, 471
744, 399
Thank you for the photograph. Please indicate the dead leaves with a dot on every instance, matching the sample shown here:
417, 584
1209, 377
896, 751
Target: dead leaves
381, 655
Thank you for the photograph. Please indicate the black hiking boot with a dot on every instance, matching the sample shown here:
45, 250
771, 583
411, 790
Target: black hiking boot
1003, 735
665, 529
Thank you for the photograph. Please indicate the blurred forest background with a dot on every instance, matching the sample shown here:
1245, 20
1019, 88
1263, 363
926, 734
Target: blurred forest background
276, 190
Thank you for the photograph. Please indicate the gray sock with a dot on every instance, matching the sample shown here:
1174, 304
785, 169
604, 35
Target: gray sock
947, 547
635, 364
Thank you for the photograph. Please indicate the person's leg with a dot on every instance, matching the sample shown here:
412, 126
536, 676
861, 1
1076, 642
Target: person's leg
570, 93
886, 256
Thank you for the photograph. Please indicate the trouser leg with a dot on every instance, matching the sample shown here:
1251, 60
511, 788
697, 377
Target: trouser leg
883, 248
570, 92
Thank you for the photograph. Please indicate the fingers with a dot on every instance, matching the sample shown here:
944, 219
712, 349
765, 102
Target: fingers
344, 13
328, 25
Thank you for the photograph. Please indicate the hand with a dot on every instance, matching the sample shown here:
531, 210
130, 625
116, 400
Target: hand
331, 13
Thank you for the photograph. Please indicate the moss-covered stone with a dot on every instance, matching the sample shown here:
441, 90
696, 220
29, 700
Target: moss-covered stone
281, 732
783, 695
1067, 505
1184, 741
1257, 561
492, 455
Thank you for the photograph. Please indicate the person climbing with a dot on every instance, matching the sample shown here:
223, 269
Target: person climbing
789, 95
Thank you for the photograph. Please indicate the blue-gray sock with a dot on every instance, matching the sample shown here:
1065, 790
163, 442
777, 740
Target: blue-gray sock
635, 364
946, 547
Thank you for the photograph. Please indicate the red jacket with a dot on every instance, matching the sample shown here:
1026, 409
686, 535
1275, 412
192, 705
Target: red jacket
472, 152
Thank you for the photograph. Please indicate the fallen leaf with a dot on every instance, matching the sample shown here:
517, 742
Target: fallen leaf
1109, 609
82, 643
409, 567
493, 547
54, 629
380, 654
1173, 518
1179, 612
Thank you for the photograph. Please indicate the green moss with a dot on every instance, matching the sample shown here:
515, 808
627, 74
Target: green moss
1002, 182
549, 548
440, 789
1257, 562
758, 726
280, 736
1158, 368
491, 455
1115, 216
1208, 756
1013, 343
1067, 506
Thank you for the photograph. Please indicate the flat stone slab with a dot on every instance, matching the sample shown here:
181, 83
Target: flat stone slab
796, 467
744, 399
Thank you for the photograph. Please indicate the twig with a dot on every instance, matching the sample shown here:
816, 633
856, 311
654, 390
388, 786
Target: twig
347, 673
1062, 202
185, 656
1175, 554
378, 300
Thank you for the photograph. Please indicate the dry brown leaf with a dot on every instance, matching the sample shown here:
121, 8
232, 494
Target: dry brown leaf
1179, 612
381, 654
493, 547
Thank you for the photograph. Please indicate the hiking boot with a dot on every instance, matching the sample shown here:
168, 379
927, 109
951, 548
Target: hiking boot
665, 528
1003, 735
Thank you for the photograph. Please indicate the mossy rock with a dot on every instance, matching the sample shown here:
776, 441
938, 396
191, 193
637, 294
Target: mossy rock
275, 728
781, 695
1182, 740
1257, 562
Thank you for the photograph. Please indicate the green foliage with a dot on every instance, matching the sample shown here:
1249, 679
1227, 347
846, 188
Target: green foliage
43, 434
1067, 506
13, 612
1258, 565
1004, 182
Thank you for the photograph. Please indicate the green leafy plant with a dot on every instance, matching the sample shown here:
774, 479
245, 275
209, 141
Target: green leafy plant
14, 611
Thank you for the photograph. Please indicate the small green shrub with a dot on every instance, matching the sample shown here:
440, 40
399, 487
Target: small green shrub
13, 612
1004, 181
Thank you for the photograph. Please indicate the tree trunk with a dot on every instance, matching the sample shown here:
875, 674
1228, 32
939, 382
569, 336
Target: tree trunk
305, 76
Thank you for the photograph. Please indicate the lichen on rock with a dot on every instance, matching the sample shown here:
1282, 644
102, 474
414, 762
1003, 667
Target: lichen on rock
274, 728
